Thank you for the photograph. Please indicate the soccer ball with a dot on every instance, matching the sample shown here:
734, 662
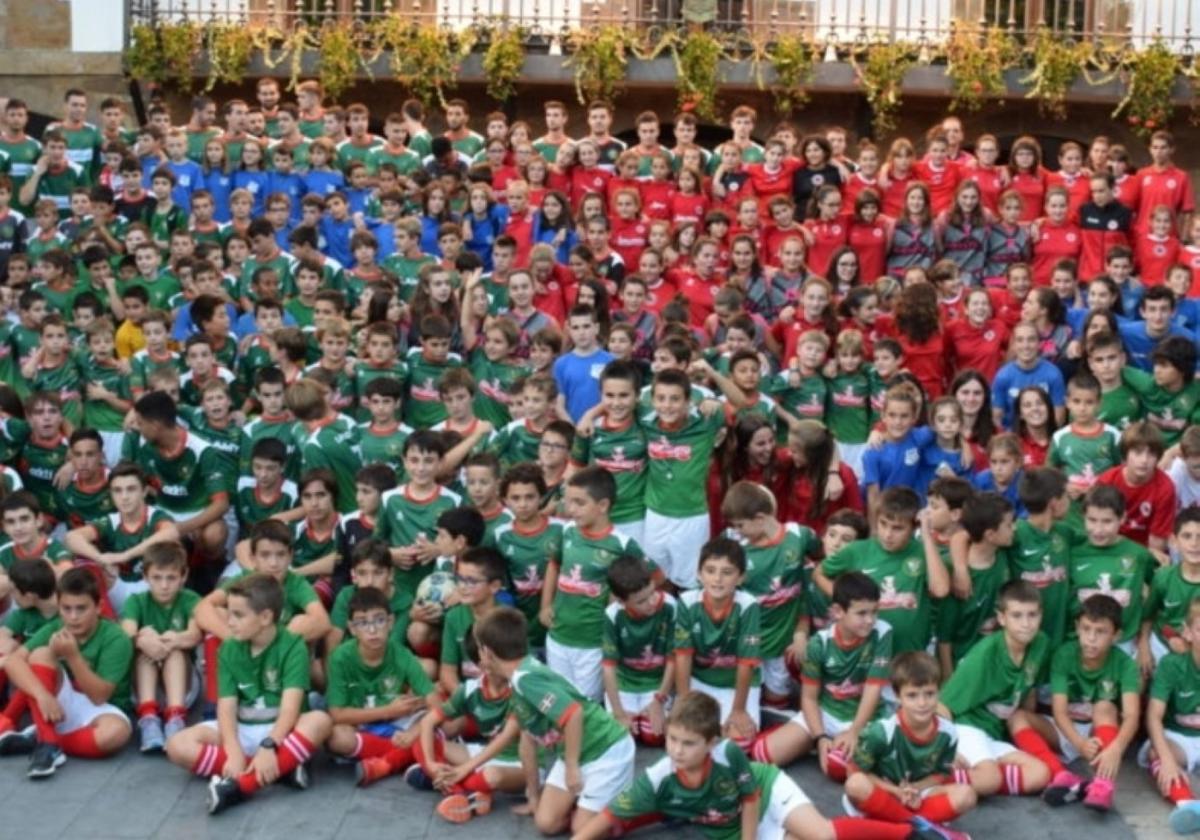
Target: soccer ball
435, 590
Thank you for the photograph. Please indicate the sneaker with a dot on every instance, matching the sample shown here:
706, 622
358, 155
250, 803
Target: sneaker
173, 727
848, 807
923, 829
298, 778
18, 741
150, 734
1064, 788
1099, 795
460, 807
418, 778
223, 793
46, 758
1185, 819
371, 770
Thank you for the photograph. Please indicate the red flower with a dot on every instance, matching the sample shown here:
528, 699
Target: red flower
1134, 119
977, 86
1150, 123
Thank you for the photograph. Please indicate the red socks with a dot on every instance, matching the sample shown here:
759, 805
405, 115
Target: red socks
1028, 740
759, 751
938, 809
1105, 734
835, 766
18, 704
1180, 791
294, 751
476, 783
47, 676
371, 746
210, 762
1011, 780
147, 709
173, 712
81, 743
882, 805
211, 644
644, 735
853, 828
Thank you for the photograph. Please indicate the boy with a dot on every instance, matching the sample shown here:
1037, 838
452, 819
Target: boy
83, 710
530, 542
265, 492
638, 665
575, 592
577, 374
87, 496
479, 574
324, 438
1173, 724
52, 369
897, 462
1173, 588
273, 421
481, 475
22, 520
370, 568
992, 682
263, 673
844, 671
594, 754
106, 389
907, 577
1120, 404
901, 763
1086, 448
161, 623
157, 353
1040, 553
1148, 492
34, 604
383, 436
717, 642
426, 364
519, 440
370, 483
1171, 396
376, 691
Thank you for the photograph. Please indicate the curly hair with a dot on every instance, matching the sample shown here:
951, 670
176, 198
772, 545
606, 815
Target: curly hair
917, 313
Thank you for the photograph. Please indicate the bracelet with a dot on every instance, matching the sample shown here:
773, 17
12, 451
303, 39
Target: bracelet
823, 737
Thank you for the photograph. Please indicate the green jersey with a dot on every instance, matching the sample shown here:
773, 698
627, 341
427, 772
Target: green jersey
64, 380
1084, 687
403, 517
353, 684
227, 439
57, 184
399, 604
100, 414
1121, 570
297, 594
257, 681
637, 646
488, 707
423, 407
1174, 683
282, 428
108, 651
144, 364
987, 686
39, 462
82, 502
543, 701
806, 399
719, 641
848, 413
775, 576
529, 553
1123, 405
349, 151
61, 300
1169, 411
470, 143
408, 271
404, 160
21, 154
256, 358
714, 804
365, 373
252, 505
188, 479
24, 623
197, 140
494, 382
84, 143
284, 265
456, 629
679, 462
342, 387
582, 591
515, 443
332, 443
843, 668
962, 622
46, 549
110, 533
622, 451
384, 444
887, 749
1042, 558
901, 575
1167, 604
1083, 456
144, 611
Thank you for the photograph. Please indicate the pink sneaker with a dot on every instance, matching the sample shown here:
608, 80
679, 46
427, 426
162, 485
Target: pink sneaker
1063, 788
1099, 796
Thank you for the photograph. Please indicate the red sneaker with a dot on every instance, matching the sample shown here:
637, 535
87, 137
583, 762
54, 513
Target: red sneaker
460, 807
371, 770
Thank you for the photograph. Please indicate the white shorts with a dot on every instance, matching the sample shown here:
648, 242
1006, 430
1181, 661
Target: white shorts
976, 746
474, 748
1129, 646
112, 447
674, 545
724, 696
1157, 649
78, 709
1190, 746
635, 702
1083, 728
603, 778
581, 667
121, 590
852, 456
776, 677
833, 726
636, 531
250, 735
784, 797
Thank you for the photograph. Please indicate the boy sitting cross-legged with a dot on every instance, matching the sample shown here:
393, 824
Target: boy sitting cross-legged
263, 681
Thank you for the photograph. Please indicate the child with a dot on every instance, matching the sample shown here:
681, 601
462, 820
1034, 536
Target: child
1040, 547
22, 519
1004, 469
324, 438
376, 691
91, 697
481, 475
841, 683
87, 496
1028, 367
479, 574
370, 483
638, 666
903, 764
577, 375
383, 436
1171, 722
1172, 589
106, 388
575, 592
519, 440
1171, 395
992, 682
264, 492
263, 673
594, 754
52, 369
34, 604
530, 542
897, 463
161, 623
1086, 448
426, 364
893, 559
1148, 493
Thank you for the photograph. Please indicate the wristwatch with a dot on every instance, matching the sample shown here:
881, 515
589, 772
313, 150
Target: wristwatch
268, 743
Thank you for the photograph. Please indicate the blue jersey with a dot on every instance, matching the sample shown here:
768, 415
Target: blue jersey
337, 239
258, 184
291, 185
220, 184
1139, 345
897, 463
578, 379
937, 462
485, 231
984, 482
323, 183
189, 177
1012, 379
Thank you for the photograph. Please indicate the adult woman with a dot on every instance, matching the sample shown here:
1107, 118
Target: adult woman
977, 341
1044, 309
748, 453
974, 396
809, 495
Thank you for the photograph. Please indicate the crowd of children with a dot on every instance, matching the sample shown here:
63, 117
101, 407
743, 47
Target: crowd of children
481, 458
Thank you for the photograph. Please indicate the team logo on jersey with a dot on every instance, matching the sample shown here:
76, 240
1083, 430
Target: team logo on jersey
1112, 224
574, 584
530, 583
391, 685
912, 567
779, 594
890, 599
847, 689
725, 787
1171, 183
989, 335
878, 233
271, 679
546, 703
664, 450
1108, 688
1104, 586
1071, 237
1045, 576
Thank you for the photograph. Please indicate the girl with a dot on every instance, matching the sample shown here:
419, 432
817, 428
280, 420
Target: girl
593, 206
586, 176
660, 240
434, 295
581, 264
783, 225
974, 396
747, 222
1097, 158
537, 174
549, 279
773, 176
945, 279
779, 287
1157, 248
1044, 309
939, 175
825, 230
701, 283
634, 314
870, 235
658, 291
688, 202
814, 312
865, 177
749, 453
745, 271
1072, 177
625, 179
474, 313
523, 314
848, 414
943, 457
1035, 424
897, 176
435, 211
813, 488
252, 177
859, 310
322, 178
629, 230
990, 176
484, 220
594, 293
1007, 242
622, 341
1102, 295
843, 271
731, 182
912, 242
497, 154
818, 171
552, 225
656, 193
918, 329
1008, 300
1055, 237
963, 233
1127, 188
1026, 176
217, 179
978, 341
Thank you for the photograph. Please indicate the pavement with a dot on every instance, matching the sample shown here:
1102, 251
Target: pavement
133, 796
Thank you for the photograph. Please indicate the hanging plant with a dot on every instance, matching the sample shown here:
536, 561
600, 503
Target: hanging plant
881, 75
794, 58
1056, 66
1148, 106
975, 63
503, 62
144, 58
698, 65
229, 50
599, 57
165, 53
425, 59
340, 57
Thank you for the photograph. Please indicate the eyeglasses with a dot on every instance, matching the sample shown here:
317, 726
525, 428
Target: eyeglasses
377, 623
469, 581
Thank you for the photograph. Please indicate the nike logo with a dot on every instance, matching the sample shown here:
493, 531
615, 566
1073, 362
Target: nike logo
1082, 567
1029, 552
869, 571
1186, 693
1171, 604
245, 686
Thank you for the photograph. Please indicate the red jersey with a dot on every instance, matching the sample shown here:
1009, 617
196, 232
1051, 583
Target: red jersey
701, 295
854, 185
656, 199
941, 182
797, 502
1006, 306
991, 181
688, 208
1189, 255
1149, 507
520, 228
1033, 454
584, 181
550, 296
659, 295
558, 180
616, 184
1153, 256
1128, 190
1170, 187
827, 238
536, 196
1054, 243
629, 239
950, 311
773, 239
977, 348
758, 234
893, 194
870, 242
1031, 186
927, 362
1079, 191
500, 180
870, 334
789, 334
767, 185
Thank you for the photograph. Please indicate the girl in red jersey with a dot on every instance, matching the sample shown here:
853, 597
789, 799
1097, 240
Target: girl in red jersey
783, 225
1008, 299
701, 283
843, 271
1055, 237
549, 281
952, 302
731, 182
1044, 309
814, 312
688, 202
939, 174
813, 488
865, 177
1097, 156
919, 331
748, 454
1072, 177
896, 177
773, 176
859, 310
586, 176
913, 243
658, 291
537, 174
1127, 187
747, 222
974, 396
656, 192
989, 175
977, 341
825, 230
1026, 176
629, 230
625, 179
1189, 255
1157, 248
1035, 424
870, 235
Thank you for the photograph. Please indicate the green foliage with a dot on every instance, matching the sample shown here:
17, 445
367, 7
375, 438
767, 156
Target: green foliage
599, 57
794, 58
881, 73
698, 64
503, 62
1151, 73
